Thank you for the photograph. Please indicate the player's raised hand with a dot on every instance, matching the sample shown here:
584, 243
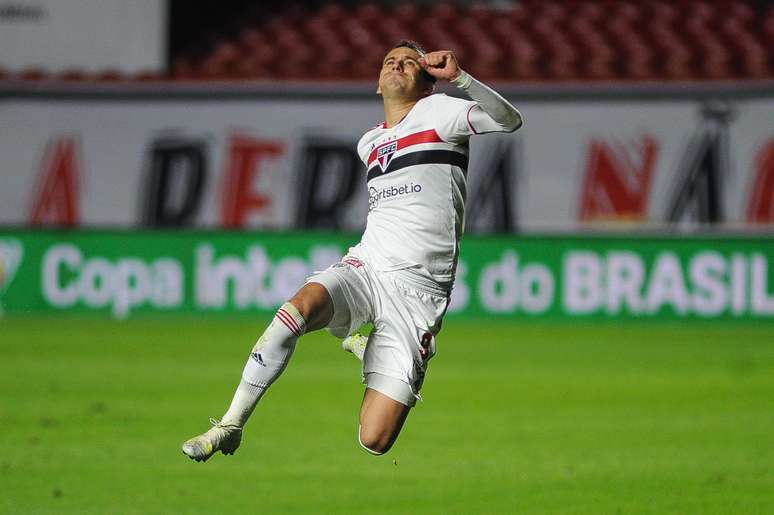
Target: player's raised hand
441, 64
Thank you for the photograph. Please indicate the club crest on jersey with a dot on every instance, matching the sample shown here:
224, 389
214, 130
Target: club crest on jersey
384, 154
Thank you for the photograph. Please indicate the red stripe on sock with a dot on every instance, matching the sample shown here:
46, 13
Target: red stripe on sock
287, 324
288, 321
292, 320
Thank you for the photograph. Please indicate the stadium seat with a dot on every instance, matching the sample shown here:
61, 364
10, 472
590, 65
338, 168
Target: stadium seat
33, 74
590, 40
72, 75
110, 75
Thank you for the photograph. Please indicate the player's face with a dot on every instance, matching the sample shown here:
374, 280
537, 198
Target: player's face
401, 73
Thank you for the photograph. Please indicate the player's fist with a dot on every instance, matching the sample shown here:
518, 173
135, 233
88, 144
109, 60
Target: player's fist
441, 64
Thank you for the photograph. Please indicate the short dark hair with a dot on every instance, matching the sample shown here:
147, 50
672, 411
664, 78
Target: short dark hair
416, 47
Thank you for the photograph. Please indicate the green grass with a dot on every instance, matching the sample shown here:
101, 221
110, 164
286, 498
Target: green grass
530, 418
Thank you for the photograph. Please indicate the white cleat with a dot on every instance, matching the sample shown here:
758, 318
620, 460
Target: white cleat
356, 344
219, 437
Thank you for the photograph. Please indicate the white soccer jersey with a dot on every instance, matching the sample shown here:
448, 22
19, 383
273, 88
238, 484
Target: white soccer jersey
416, 187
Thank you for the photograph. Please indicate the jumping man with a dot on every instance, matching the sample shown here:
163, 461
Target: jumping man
399, 277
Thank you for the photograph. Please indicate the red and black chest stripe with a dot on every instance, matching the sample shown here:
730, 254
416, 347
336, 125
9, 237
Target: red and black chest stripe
381, 161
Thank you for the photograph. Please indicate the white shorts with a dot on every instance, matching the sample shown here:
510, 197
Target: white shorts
405, 320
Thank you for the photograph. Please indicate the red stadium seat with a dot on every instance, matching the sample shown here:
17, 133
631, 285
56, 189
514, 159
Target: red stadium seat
33, 74
768, 31
483, 14
532, 39
407, 16
333, 61
109, 75
523, 59
146, 76
590, 40
756, 63
444, 12
73, 75
370, 14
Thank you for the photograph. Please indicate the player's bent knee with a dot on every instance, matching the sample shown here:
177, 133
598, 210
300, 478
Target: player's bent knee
314, 303
369, 449
373, 442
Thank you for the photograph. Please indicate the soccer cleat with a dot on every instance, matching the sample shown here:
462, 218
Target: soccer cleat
219, 437
356, 344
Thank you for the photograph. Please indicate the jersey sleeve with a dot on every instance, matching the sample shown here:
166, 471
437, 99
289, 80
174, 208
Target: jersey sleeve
460, 119
452, 118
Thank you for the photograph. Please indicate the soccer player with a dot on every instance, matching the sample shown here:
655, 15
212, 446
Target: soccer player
399, 277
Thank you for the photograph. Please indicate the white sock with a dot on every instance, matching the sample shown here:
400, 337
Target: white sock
267, 360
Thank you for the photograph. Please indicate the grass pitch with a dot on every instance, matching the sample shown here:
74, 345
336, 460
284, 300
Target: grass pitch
530, 418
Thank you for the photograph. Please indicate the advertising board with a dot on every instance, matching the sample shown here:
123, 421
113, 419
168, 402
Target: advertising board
122, 274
